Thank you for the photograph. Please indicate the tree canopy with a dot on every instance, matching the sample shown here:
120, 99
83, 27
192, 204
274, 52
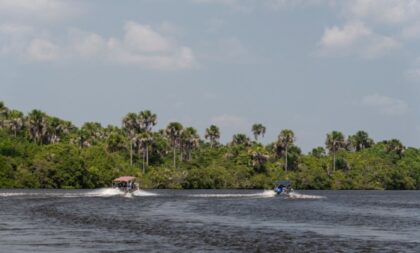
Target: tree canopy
42, 151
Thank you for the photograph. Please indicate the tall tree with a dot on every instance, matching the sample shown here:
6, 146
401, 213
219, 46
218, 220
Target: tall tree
131, 126
173, 131
38, 126
212, 134
334, 142
143, 141
57, 128
258, 130
189, 140
147, 121
285, 139
15, 122
360, 141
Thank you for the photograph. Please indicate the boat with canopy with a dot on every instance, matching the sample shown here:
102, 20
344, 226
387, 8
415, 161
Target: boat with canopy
125, 184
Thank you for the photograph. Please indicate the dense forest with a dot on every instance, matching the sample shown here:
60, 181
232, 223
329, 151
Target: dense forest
42, 151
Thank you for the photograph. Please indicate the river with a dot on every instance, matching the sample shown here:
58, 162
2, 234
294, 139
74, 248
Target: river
208, 221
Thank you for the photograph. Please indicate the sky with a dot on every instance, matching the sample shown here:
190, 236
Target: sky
312, 66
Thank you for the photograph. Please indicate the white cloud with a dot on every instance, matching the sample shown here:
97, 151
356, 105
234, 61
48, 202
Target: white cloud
140, 45
31, 10
355, 38
336, 37
41, 50
381, 11
385, 105
87, 44
13, 38
144, 39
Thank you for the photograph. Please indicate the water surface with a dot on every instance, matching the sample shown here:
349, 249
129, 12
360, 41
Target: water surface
209, 221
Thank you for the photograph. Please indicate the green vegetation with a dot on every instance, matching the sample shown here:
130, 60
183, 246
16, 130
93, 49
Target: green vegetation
41, 151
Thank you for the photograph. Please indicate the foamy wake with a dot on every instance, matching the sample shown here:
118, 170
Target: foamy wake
109, 192
12, 194
295, 195
142, 193
105, 192
265, 194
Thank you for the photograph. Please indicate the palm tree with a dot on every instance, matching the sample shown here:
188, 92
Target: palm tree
334, 142
212, 134
143, 141
147, 120
173, 131
57, 128
257, 130
38, 126
394, 146
285, 139
240, 140
190, 140
15, 122
95, 131
360, 141
131, 125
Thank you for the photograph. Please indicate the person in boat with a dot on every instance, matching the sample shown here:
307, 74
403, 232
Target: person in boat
125, 183
283, 187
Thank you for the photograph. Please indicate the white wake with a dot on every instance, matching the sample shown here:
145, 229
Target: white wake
105, 192
295, 195
264, 194
141, 193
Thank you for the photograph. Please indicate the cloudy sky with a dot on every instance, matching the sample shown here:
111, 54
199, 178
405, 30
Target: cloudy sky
309, 65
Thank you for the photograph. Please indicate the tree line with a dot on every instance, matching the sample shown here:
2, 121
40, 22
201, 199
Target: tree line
42, 151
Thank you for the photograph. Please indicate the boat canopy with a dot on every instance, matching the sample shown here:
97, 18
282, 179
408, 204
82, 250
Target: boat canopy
124, 179
283, 182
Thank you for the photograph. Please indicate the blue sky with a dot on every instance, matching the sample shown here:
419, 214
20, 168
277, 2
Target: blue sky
312, 66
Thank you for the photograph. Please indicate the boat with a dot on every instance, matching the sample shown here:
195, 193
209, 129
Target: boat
126, 184
283, 187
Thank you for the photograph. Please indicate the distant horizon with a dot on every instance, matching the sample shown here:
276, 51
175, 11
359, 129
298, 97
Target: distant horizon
311, 66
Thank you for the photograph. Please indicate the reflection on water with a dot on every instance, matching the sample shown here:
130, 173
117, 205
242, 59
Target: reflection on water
107, 220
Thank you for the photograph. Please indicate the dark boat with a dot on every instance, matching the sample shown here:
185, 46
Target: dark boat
283, 187
125, 184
